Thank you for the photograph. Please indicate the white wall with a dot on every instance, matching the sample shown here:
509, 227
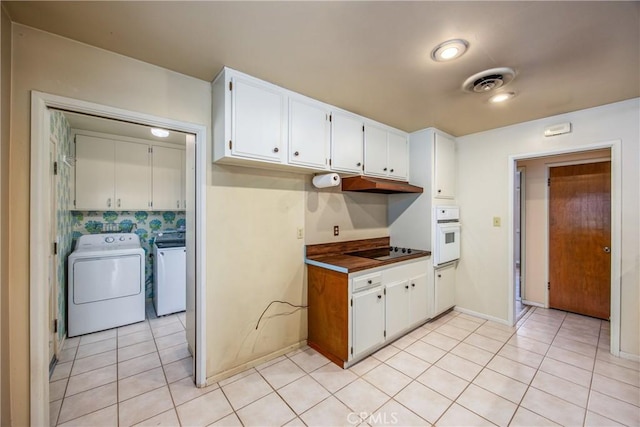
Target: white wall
483, 192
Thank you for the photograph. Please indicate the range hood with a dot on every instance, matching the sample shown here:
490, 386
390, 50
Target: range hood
367, 184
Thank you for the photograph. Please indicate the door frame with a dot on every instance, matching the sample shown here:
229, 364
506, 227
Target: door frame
39, 235
616, 228
523, 227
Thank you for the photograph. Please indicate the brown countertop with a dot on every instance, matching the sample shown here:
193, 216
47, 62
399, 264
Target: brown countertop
333, 256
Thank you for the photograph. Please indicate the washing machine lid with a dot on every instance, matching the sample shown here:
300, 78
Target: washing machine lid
107, 242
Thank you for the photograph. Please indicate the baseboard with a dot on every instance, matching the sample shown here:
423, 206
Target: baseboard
482, 315
629, 356
535, 304
252, 364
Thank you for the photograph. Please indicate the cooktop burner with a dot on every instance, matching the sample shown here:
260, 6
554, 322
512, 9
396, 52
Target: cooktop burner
384, 254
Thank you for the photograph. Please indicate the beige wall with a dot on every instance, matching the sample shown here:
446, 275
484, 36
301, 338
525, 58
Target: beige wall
483, 192
359, 215
5, 117
253, 253
59, 66
535, 229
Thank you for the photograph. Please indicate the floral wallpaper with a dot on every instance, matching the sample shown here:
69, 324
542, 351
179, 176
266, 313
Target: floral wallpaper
61, 133
145, 224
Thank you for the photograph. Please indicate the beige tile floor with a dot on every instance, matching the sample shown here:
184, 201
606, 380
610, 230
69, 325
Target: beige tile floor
554, 368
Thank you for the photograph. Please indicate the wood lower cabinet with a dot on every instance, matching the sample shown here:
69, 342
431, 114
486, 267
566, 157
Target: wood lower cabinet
353, 315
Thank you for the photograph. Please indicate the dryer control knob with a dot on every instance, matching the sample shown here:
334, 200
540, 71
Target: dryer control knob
109, 239
122, 238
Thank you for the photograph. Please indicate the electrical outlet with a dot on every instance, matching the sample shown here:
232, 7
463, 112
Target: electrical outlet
336, 230
496, 221
300, 233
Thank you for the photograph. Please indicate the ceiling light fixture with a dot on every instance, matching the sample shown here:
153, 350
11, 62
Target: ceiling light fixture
501, 97
451, 49
160, 133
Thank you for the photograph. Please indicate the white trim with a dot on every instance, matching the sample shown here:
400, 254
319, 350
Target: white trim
38, 235
616, 227
629, 356
482, 315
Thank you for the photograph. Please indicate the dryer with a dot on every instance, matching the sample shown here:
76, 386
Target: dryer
106, 282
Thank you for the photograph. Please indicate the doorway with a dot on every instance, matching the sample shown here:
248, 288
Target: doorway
580, 238
40, 230
519, 244
536, 244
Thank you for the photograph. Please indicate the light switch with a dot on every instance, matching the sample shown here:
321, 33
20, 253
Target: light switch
300, 233
496, 221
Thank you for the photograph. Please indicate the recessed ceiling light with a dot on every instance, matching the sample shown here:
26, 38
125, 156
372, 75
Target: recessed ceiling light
160, 133
451, 49
501, 97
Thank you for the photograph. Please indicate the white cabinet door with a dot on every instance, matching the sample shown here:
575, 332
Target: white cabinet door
95, 177
398, 316
419, 298
133, 176
368, 320
346, 143
444, 281
398, 156
167, 178
445, 167
258, 121
308, 134
375, 151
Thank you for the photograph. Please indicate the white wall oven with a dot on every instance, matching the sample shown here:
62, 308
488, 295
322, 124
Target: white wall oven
447, 235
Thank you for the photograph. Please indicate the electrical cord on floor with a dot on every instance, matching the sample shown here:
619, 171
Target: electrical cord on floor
280, 302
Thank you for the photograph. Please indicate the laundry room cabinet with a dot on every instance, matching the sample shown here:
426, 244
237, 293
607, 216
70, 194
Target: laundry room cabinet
122, 175
168, 176
111, 174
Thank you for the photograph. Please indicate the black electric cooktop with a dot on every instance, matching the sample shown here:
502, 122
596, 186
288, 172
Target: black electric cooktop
384, 254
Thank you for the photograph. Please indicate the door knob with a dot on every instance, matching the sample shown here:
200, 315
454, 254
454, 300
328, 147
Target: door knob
607, 249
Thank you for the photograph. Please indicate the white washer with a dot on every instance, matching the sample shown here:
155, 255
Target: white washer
169, 273
106, 282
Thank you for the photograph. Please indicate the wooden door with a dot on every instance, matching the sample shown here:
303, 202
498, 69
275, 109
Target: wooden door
375, 151
167, 181
95, 177
132, 176
445, 167
398, 157
308, 134
580, 238
346, 143
53, 257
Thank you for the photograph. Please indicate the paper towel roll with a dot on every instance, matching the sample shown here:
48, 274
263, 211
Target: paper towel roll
326, 180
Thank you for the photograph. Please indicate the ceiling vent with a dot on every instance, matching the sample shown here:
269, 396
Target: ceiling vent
489, 80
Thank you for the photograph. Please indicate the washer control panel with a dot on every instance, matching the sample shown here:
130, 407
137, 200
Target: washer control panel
107, 241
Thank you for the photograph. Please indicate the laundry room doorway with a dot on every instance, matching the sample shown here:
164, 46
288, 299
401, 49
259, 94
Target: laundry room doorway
195, 167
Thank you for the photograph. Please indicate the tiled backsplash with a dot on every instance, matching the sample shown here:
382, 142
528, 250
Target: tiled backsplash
145, 224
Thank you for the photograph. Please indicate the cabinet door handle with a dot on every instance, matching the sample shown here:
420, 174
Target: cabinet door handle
439, 191
275, 150
379, 296
385, 169
109, 202
439, 275
296, 154
391, 171
359, 164
178, 204
406, 286
119, 203
369, 281
413, 285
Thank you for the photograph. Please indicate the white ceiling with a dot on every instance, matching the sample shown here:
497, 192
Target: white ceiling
373, 58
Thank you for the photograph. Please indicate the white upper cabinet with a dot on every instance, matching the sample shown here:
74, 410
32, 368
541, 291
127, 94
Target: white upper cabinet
398, 157
346, 142
258, 120
168, 178
309, 129
375, 151
259, 124
386, 153
444, 183
111, 175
